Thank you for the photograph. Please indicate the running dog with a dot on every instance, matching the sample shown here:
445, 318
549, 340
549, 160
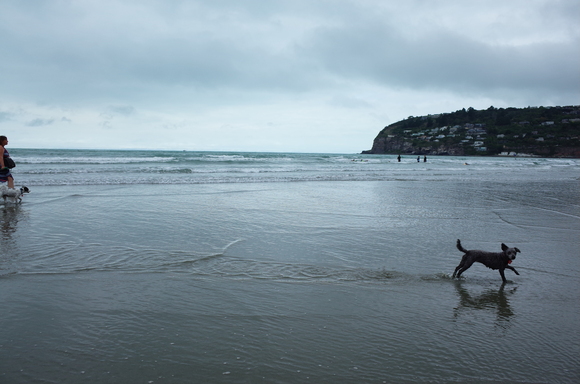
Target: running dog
13, 193
493, 260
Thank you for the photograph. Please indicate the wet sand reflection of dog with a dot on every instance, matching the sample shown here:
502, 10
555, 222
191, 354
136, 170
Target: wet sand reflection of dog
10, 216
491, 300
9, 220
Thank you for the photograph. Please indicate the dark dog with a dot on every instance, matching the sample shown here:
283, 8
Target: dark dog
493, 260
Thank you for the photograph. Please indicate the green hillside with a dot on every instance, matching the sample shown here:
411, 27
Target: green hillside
539, 131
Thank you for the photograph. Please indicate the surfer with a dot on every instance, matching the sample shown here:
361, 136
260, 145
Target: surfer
5, 175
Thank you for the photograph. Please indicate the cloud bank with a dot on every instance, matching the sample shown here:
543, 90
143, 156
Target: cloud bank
309, 76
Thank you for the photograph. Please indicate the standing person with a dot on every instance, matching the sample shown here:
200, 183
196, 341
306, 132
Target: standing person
5, 175
418, 159
399, 158
425, 159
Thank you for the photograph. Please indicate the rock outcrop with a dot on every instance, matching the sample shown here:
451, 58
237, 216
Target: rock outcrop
539, 131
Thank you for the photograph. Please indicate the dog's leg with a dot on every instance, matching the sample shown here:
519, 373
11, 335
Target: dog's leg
502, 275
461, 264
456, 269
463, 270
466, 262
512, 268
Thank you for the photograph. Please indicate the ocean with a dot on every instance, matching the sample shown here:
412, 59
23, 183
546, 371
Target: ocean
225, 267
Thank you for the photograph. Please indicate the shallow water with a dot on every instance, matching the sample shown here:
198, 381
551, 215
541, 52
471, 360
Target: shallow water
332, 275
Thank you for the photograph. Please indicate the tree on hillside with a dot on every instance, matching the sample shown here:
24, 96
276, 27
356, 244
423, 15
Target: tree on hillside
470, 114
502, 118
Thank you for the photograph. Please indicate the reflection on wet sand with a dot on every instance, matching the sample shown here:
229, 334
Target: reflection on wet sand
10, 215
9, 219
491, 300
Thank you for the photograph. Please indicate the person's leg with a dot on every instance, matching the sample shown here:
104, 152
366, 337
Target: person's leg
10, 182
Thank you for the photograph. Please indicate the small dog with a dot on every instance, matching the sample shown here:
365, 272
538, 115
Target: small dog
13, 193
493, 260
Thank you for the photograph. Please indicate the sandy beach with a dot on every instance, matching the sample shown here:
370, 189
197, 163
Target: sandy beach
286, 282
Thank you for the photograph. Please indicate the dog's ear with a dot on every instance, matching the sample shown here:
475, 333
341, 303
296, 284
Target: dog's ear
517, 250
504, 247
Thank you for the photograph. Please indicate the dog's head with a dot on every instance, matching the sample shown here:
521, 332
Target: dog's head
24, 190
509, 252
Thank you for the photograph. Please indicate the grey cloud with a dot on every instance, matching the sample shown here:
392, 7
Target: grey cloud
137, 71
254, 47
124, 110
39, 122
68, 53
202, 62
445, 60
5, 116
349, 102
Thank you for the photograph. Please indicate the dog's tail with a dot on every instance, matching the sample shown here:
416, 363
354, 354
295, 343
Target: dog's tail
460, 247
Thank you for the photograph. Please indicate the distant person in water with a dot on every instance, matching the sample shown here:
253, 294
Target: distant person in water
418, 159
399, 158
5, 175
424, 159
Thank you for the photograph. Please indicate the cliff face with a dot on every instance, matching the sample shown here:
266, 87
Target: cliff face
546, 132
383, 145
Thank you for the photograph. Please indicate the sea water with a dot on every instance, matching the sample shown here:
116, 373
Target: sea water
198, 267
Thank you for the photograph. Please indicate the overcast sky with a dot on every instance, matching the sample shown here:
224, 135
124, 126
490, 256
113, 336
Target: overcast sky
271, 75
